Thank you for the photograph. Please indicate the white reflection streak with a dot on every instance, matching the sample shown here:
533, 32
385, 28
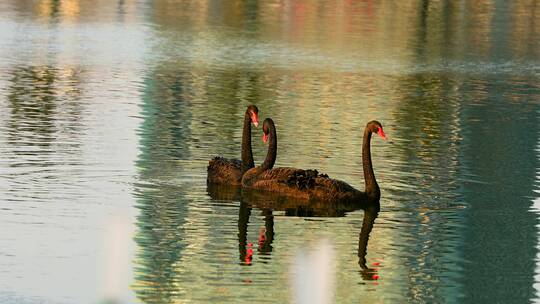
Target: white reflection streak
536, 208
313, 274
118, 234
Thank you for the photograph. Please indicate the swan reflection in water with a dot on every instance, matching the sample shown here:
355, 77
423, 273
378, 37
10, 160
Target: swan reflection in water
268, 202
265, 238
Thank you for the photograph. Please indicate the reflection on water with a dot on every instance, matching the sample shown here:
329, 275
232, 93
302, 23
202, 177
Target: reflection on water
268, 203
265, 236
110, 112
162, 218
370, 214
40, 130
44, 102
159, 237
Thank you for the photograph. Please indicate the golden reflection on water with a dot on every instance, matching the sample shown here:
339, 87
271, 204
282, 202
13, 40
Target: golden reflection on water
69, 10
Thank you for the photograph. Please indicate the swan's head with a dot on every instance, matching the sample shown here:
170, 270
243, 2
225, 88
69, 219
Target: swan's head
253, 113
376, 127
268, 125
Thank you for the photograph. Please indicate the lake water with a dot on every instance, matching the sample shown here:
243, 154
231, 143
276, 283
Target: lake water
110, 111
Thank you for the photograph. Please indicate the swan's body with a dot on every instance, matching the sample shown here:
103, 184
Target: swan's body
230, 171
309, 184
302, 184
224, 170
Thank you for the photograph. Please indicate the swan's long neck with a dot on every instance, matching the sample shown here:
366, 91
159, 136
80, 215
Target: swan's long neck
272, 150
372, 188
247, 154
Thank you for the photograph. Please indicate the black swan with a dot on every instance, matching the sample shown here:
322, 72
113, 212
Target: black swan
309, 184
230, 171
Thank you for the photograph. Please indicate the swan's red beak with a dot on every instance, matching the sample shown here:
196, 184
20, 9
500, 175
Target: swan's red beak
265, 138
255, 119
381, 134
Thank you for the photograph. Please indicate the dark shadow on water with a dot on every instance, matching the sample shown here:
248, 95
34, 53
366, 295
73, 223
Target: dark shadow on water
501, 239
224, 192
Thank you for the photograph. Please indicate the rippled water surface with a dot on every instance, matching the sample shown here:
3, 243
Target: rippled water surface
110, 111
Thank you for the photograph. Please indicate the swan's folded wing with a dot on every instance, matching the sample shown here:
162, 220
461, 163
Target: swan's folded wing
333, 185
289, 177
283, 174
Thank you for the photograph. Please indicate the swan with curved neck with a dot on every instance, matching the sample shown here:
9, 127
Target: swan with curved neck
309, 184
230, 171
